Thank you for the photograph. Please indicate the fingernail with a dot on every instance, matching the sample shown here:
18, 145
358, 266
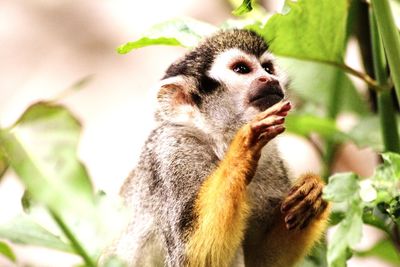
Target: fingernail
294, 189
290, 227
289, 218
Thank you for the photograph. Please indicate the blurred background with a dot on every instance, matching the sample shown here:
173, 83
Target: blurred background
47, 46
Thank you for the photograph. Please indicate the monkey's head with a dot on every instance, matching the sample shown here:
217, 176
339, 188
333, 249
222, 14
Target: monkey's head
225, 81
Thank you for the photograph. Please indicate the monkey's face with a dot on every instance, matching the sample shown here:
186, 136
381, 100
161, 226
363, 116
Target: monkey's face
255, 84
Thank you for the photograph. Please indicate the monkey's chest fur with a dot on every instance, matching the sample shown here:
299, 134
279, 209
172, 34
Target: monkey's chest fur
162, 189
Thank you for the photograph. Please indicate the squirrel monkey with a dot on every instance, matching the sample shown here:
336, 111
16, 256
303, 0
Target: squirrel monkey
210, 188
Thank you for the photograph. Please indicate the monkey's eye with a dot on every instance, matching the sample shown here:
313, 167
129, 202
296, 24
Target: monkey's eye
268, 67
241, 68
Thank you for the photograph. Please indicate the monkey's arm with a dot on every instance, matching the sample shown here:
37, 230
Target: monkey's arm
298, 225
221, 206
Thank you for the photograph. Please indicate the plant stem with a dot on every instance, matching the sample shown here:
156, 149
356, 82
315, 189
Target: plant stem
387, 115
363, 76
390, 39
74, 242
334, 102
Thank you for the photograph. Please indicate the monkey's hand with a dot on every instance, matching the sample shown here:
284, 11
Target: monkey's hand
300, 223
268, 124
304, 202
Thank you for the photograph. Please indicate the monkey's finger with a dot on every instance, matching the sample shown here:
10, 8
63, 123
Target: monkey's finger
306, 221
293, 198
265, 124
302, 214
309, 207
304, 206
319, 207
283, 106
267, 136
322, 207
296, 215
256, 129
282, 113
293, 223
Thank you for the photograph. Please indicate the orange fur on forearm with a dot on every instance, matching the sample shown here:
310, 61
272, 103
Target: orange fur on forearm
222, 209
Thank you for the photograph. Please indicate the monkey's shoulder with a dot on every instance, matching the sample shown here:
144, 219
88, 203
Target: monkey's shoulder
169, 142
174, 157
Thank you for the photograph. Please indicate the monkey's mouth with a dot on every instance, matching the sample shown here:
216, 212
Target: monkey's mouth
266, 97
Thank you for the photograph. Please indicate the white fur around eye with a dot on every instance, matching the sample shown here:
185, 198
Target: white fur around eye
267, 56
222, 68
278, 72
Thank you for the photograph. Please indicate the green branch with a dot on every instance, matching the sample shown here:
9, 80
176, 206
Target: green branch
74, 242
390, 38
361, 75
387, 115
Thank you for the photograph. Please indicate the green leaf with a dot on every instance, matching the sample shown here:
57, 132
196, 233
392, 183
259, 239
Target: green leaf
348, 233
313, 82
244, 8
366, 133
384, 250
42, 150
374, 216
145, 41
386, 178
7, 252
311, 30
344, 189
113, 262
176, 32
23, 230
3, 164
27, 201
306, 124
393, 160
394, 208
76, 86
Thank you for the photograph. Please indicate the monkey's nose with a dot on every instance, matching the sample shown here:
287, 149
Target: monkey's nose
263, 79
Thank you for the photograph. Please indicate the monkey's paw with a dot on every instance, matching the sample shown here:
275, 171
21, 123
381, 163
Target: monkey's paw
304, 202
268, 124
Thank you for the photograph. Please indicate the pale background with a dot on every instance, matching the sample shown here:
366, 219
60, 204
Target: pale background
46, 46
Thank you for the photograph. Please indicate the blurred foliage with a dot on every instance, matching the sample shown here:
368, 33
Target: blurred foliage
181, 31
244, 8
310, 39
41, 148
7, 252
384, 249
311, 29
3, 164
344, 189
24, 230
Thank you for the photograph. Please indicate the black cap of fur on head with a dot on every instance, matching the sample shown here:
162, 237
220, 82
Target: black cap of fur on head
197, 62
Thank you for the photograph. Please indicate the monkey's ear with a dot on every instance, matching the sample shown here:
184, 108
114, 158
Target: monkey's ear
176, 99
177, 90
